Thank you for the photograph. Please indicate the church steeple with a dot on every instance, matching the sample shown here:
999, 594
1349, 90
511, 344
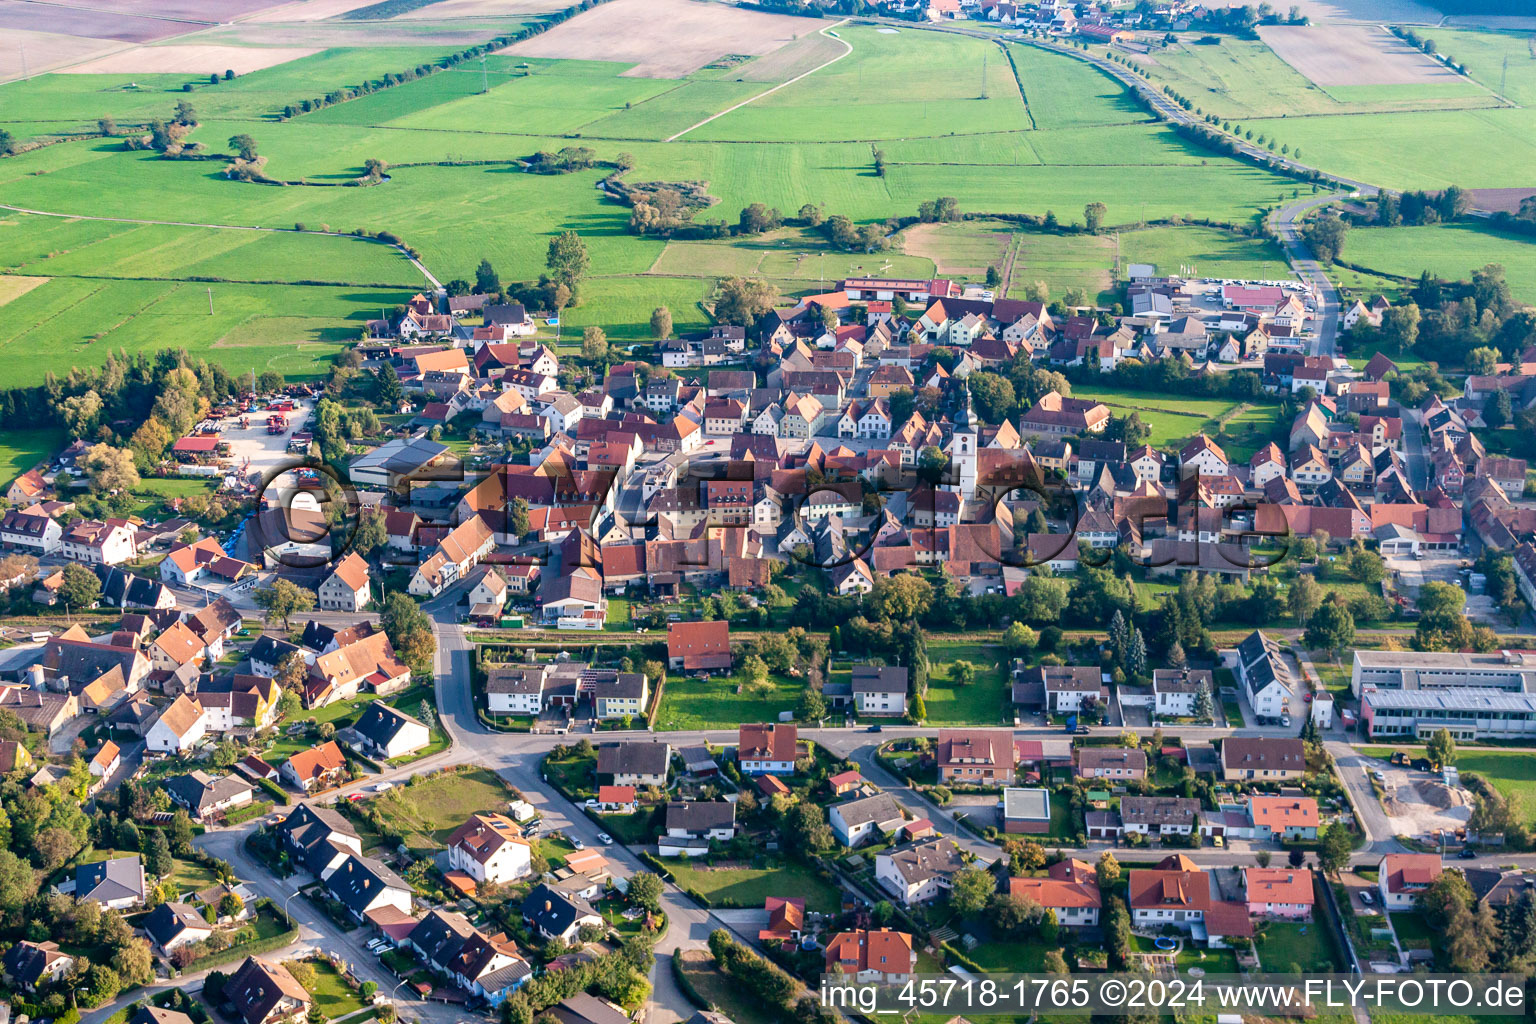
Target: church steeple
966, 417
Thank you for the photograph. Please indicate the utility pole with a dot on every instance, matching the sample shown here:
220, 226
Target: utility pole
24, 74
485, 83
983, 74
210, 301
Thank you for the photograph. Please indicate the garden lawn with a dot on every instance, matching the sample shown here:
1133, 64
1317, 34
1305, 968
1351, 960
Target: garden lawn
426, 813
331, 993
1305, 943
1413, 932
980, 703
691, 703
1010, 957
750, 886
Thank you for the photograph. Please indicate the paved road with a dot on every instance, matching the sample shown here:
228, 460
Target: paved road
1287, 224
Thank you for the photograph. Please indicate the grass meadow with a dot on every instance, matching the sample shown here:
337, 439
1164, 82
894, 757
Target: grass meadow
73, 321
973, 130
20, 450
1451, 251
1240, 428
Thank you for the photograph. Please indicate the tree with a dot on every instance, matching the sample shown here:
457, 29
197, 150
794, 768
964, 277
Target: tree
973, 887
185, 115
244, 146
1441, 749
1333, 853
1297, 857
757, 218
594, 344
1019, 639
1400, 327
1093, 216
386, 390
81, 589
409, 631
993, 395
1108, 872
1332, 627
518, 518
282, 599
110, 468
1205, 704
567, 259
157, 855
487, 281
962, 673
645, 890
371, 533
805, 829
82, 413
1303, 597
1325, 237
134, 963
661, 323
181, 833
743, 299
1441, 625
812, 707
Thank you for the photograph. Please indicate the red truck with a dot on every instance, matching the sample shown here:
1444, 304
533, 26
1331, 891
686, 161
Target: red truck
277, 423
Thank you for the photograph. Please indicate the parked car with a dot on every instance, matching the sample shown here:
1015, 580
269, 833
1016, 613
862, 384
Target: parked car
605, 839
381, 787
1467, 853
877, 727
577, 843
1367, 897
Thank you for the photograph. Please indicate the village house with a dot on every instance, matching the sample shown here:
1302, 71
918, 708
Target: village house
919, 871
767, 749
1069, 889
346, 588
490, 848
876, 956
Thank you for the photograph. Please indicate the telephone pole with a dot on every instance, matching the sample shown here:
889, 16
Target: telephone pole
210, 302
485, 82
983, 74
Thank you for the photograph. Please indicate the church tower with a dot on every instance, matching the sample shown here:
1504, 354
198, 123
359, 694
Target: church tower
962, 445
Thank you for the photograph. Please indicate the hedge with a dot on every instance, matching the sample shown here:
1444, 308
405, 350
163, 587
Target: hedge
278, 793
246, 949
686, 984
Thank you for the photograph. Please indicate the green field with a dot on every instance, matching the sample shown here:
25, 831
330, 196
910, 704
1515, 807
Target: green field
55, 247
980, 703
23, 449
72, 321
1425, 149
1172, 419
1055, 136
1241, 78
741, 886
690, 703
428, 812
1451, 251
1210, 252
